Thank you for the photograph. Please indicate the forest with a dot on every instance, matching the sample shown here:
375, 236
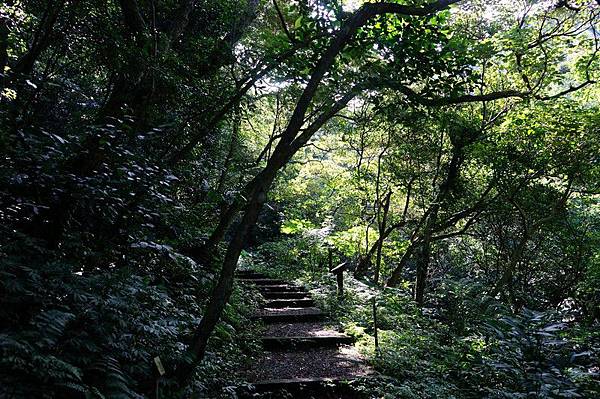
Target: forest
300, 199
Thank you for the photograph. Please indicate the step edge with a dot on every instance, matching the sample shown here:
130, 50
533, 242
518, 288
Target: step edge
345, 338
290, 314
291, 299
286, 381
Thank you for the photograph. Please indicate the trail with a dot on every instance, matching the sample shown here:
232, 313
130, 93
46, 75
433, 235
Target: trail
303, 354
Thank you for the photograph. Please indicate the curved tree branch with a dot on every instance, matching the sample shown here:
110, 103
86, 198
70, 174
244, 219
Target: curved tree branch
283, 24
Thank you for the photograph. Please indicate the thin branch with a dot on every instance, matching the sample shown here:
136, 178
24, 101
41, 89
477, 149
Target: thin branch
440, 101
571, 89
307, 133
283, 24
374, 9
181, 19
132, 17
462, 231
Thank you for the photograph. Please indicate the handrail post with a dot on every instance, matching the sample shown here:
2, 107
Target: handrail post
339, 276
375, 327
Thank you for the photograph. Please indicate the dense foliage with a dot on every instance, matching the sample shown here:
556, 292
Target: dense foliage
446, 152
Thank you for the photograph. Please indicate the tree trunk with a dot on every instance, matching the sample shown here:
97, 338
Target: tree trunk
383, 222
424, 242
422, 270
24, 65
3, 48
529, 229
222, 290
228, 160
225, 220
394, 279
365, 262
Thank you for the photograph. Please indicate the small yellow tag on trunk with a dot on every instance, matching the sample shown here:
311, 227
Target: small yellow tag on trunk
159, 366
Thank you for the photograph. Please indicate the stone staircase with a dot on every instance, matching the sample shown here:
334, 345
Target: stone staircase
303, 355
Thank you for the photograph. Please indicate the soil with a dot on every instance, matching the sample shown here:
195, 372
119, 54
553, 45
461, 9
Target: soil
289, 311
342, 362
308, 329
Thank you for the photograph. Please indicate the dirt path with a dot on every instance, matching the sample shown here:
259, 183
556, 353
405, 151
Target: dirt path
301, 349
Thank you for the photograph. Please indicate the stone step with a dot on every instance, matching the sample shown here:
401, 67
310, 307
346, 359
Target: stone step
251, 275
293, 303
303, 342
262, 281
312, 329
284, 295
325, 388
270, 315
245, 271
280, 287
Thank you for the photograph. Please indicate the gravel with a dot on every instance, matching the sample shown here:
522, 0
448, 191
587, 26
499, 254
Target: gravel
342, 362
289, 311
314, 329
